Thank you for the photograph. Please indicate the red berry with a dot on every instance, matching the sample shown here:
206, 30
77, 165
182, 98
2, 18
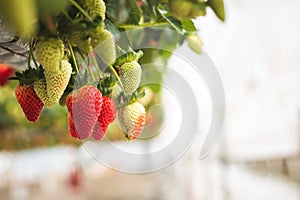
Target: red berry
5, 73
69, 103
72, 129
107, 115
85, 107
29, 102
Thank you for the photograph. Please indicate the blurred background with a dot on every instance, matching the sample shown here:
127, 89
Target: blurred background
258, 157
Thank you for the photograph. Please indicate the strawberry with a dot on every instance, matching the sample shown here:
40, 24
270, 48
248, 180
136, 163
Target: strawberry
130, 75
80, 38
57, 82
218, 7
94, 8
107, 115
69, 103
185, 9
72, 129
104, 44
5, 73
29, 102
40, 88
131, 119
49, 52
84, 106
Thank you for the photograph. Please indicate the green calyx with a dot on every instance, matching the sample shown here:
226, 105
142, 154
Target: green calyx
29, 76
136, 95
128, 57
106, 85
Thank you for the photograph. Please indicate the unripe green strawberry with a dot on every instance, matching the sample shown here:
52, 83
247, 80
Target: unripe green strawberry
95, 7
130, 75
218, 8
132, 119
107, 115
80, 38
40, 88
49, 52
85, 105
185, 9
29, 102
104, 44
58, 81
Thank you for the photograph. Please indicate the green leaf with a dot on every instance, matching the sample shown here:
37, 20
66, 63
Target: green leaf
134, 12
123, 11
188, 25
175, 23
218, 7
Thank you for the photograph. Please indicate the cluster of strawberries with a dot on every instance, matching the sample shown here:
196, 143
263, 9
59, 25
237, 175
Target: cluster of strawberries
90, 113
90, 108
44, 85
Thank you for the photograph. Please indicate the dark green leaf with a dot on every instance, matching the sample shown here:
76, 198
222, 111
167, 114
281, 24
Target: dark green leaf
134, 12
123, 11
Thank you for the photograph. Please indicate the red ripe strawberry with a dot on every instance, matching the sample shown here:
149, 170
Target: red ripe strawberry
29, 102
85, 107
5, 73
69, 103
132, 119
72, 129
107, 115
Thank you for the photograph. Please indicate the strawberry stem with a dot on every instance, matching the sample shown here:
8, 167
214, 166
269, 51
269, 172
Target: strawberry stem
117, 76
28, 60
150, 24
81, 10
31, 54
73, 57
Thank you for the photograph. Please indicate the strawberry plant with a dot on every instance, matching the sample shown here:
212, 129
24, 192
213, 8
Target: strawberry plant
78, 53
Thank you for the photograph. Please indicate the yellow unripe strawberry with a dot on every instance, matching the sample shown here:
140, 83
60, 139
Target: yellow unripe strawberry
58, 81
49, 52
104, 45
94, 8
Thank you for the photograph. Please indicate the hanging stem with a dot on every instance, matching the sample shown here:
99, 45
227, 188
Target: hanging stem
31, 54
73, 57
29, 59
117, 76
81, 10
